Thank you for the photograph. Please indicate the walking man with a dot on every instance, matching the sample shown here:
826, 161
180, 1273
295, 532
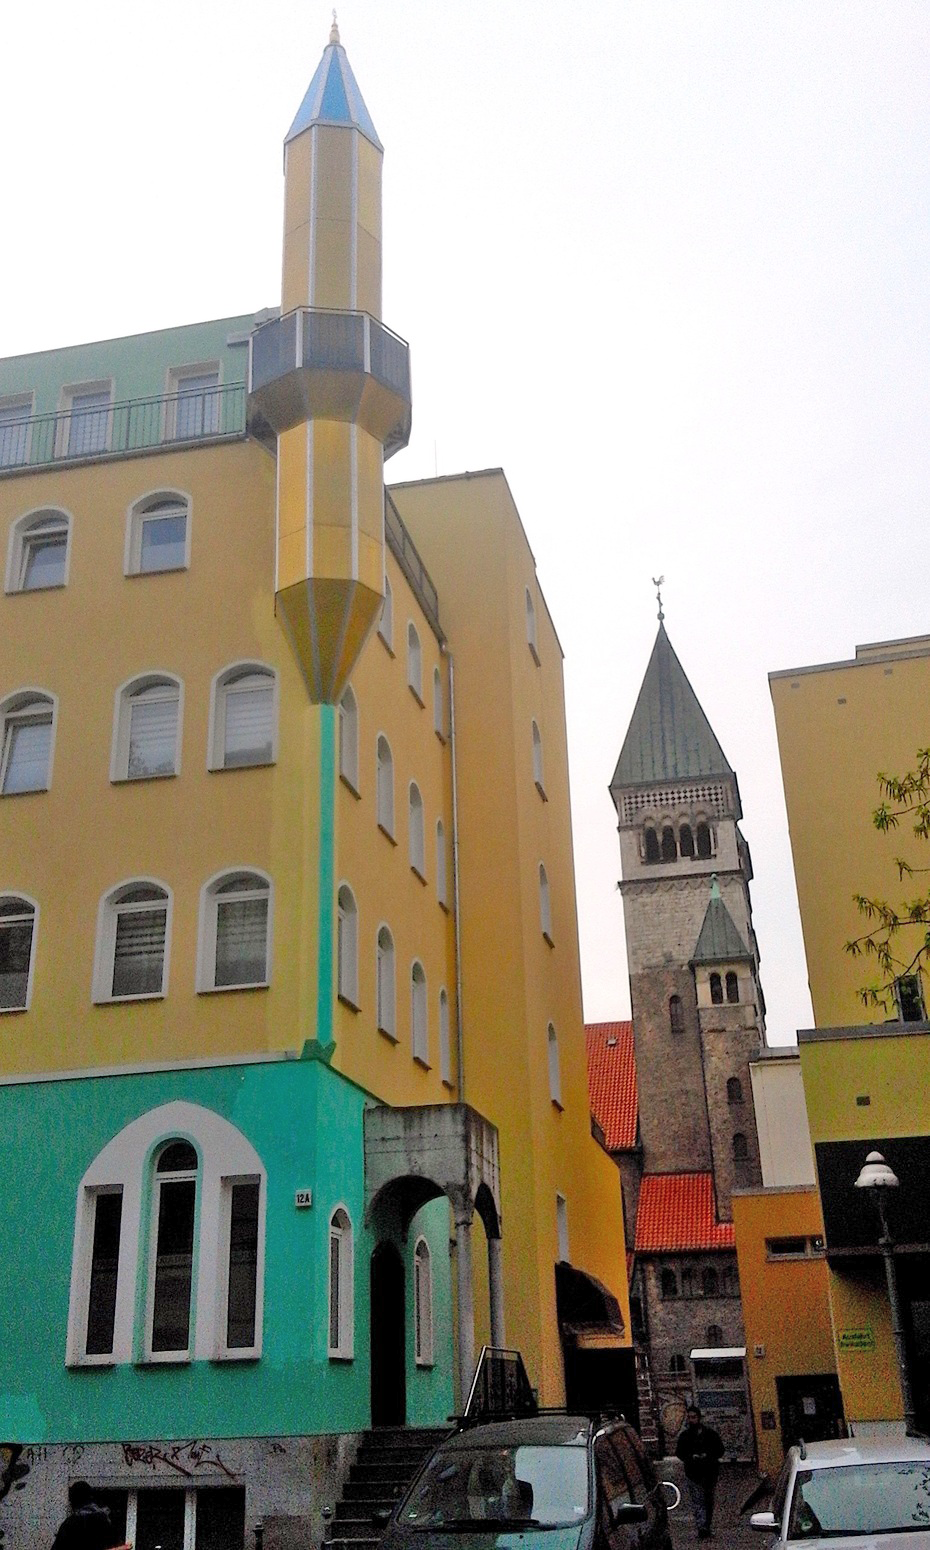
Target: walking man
700, 1449
87, 1526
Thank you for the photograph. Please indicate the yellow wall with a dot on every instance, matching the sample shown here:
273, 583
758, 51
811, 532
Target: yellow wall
838, 726
786, 1304
514, 983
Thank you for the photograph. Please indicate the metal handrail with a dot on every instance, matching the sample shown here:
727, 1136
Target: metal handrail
131, 426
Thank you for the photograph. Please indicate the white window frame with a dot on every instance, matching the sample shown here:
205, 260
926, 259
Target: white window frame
210, 899
386, 983
24, 705
442, 871
414, 662
347, 946
10, 895
349, 740
342, 1232
222, 684
127, 1163
555, 1075
445, 1039
538, 761
177, 376
21, 533
108, 911
423, 1304
531, 636
138, 685
419, 1014
416, 831
545, 905
65, 417
384, 786
11, 403
561, 1228
439, 711
386, 619
139, 513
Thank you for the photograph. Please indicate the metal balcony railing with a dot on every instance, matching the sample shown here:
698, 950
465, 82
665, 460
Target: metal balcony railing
330, 341
136, 425
405, 553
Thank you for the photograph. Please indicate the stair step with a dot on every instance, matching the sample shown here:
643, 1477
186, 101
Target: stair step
352, 1528
355, 1509
374, 1492
394, 1472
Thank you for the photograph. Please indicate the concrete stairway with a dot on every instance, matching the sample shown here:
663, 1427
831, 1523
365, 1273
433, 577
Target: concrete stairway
386, 1462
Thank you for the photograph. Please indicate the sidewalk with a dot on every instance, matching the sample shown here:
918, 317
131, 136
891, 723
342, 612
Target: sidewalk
731, 1529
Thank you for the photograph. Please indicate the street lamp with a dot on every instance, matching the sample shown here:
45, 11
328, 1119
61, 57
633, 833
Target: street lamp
878, 1178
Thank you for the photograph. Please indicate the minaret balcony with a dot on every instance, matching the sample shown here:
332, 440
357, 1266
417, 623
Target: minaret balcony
313, 364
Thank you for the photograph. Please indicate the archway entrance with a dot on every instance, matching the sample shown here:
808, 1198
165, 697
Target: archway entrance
388, 1338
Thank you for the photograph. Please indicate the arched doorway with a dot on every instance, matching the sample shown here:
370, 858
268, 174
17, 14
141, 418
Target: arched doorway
388, 1338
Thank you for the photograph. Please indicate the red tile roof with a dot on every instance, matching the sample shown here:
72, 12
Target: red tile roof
676, 1212
612, 1083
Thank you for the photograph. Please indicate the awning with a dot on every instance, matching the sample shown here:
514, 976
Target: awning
717, 1353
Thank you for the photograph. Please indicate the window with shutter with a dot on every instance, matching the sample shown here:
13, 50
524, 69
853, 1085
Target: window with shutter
25, 756
17, 931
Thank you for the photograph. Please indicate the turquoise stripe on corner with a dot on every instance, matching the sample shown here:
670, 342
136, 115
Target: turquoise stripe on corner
324, 994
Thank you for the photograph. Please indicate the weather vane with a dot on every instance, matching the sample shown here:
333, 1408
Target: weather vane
658, 582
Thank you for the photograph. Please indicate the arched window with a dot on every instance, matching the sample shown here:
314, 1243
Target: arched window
740, 1147
531, 627
172, 1267
676, 1016
242, 716
687, 1281
734, 1090
417, 831
545, 905
341, 1286
423, 1304
710, 1285
414, 662
348, 738
387, 993
419, 1014
669, 1283
445, 1040
154, 1204
703, 841
347, 945
442, 893
677, 1364
384, 782
716, 990
686, 840
158, 533
732, 987
538, 762
651, 845
714, 1335
669, 848
439, 723
26, 727
132, 942
386, 622
555, 1078
147, 730
39, 551
235, 933
17, 940
730, 1282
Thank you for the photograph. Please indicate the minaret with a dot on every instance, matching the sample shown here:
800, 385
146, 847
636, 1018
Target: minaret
330, 382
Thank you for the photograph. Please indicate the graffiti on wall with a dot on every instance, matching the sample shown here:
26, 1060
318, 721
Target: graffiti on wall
180, 1458
13, 1471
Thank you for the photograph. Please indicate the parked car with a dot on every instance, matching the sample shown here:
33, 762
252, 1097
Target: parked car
855, 1490
547, 1482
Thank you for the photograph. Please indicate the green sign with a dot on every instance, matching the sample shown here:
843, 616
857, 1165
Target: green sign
856, 1340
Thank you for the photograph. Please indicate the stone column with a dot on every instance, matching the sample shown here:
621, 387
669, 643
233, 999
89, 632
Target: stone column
466, 1306
496, 1285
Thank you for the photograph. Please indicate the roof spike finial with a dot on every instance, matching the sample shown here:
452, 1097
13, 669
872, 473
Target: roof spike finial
658, 583
334, 30
714, 888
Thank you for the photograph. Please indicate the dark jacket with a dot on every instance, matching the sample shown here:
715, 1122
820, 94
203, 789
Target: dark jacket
88, 1528
700, 1449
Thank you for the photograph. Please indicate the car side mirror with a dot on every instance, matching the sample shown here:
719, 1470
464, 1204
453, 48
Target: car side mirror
765, 1522
628, 1512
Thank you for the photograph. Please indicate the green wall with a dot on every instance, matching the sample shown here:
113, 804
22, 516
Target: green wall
305, 1122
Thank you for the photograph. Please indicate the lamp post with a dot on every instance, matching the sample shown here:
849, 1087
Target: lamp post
878, 1178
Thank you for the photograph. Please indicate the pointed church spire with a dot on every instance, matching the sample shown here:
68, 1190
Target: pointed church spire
719, 940
669, 736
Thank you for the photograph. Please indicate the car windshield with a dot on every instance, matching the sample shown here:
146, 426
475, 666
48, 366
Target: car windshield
892, 1498
520, 1486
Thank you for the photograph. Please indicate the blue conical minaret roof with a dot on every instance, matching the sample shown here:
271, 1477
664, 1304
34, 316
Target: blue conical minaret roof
333, 96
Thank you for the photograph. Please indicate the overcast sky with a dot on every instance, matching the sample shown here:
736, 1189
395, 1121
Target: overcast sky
666, 263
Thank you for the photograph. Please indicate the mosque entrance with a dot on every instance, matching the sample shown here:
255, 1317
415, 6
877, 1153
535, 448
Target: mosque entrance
388, 1338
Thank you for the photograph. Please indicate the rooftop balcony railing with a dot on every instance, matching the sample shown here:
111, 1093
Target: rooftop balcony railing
126, 429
